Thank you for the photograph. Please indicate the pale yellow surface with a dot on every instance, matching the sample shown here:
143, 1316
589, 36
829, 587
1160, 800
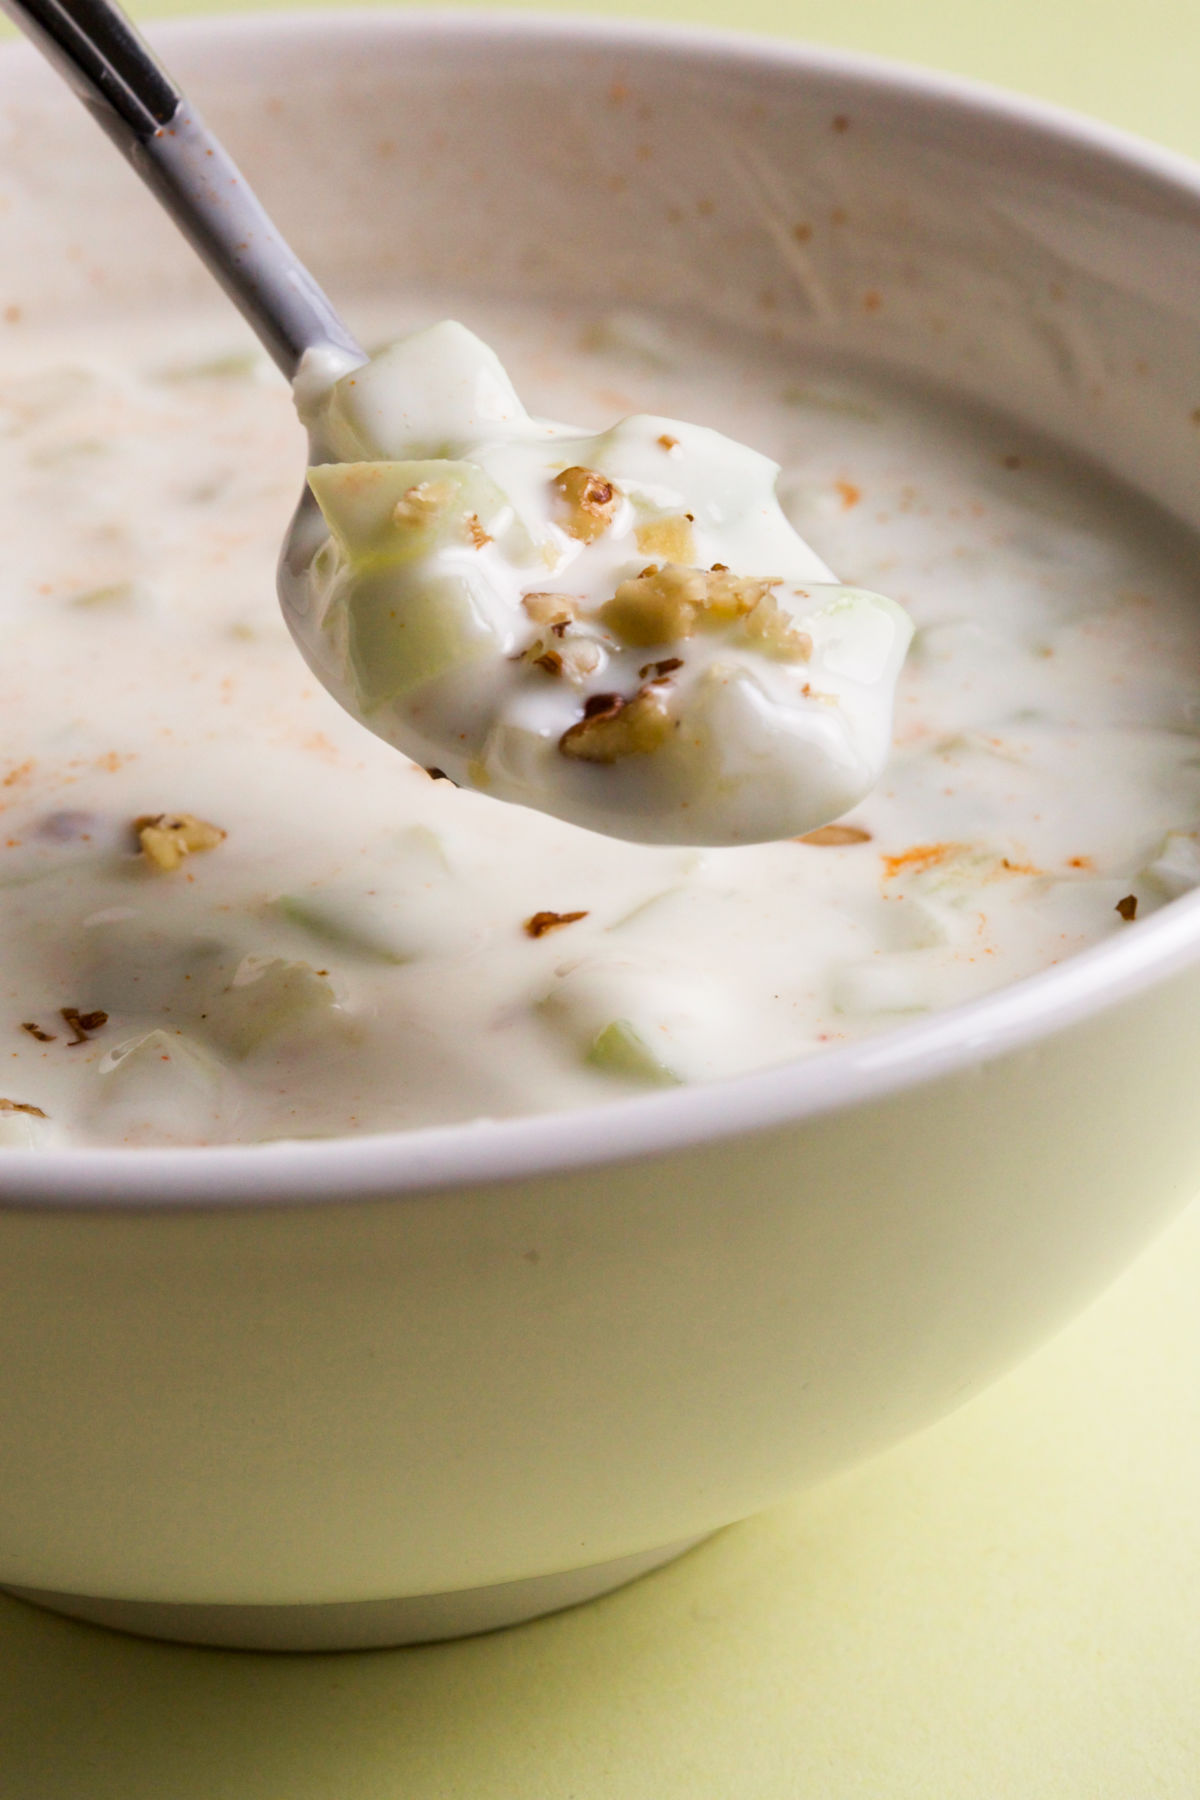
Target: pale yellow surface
1008, 1606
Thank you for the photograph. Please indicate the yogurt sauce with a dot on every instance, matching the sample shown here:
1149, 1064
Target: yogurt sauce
620, 628
231, 914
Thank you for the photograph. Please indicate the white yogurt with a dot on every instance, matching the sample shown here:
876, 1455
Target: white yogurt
620, 628
360, 947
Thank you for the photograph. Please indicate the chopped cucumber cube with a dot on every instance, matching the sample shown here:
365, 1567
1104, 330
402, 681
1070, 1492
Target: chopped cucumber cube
155, 1060
162, 1083
363, 925
1176, 868
268, 998
135, 967
402, 512
406, 627
422, 396
620, 1051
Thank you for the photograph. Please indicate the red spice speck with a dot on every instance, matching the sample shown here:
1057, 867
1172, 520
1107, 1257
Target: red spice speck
919, 858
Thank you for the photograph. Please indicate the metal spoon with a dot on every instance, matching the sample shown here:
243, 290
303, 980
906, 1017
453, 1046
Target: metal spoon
96, 48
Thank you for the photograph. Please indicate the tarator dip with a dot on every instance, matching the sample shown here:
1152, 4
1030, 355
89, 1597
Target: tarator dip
231, 914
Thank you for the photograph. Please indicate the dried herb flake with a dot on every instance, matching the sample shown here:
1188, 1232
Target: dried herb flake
542, 922
81, 1023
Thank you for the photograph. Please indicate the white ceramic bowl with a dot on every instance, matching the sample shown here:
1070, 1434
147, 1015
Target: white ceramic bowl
364, 1392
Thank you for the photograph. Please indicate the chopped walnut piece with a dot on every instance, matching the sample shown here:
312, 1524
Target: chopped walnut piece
834, 837
1127, 908
669, 538
770, 629
23, 1106
166, 838
422, 504
603, 706
589, 499
581, 657
729, 597
81, 1023
542, 922
661, 606
613, 727
35, 1031
549, 609
574, 658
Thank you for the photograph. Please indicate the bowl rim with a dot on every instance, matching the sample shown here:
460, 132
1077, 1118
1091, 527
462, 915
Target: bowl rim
499, 1152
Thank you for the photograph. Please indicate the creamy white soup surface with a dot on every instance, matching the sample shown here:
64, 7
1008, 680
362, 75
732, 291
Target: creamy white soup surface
231, 914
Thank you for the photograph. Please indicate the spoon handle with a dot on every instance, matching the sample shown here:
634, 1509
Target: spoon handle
97, 49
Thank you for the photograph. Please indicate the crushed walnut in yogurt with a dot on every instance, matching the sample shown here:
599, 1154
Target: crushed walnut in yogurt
620, 628
231, 914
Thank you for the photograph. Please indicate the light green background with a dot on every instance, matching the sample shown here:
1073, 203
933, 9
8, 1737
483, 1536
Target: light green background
1007, 1608
1133, 62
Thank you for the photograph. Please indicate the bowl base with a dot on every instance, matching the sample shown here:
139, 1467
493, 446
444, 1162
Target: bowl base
356, 1624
